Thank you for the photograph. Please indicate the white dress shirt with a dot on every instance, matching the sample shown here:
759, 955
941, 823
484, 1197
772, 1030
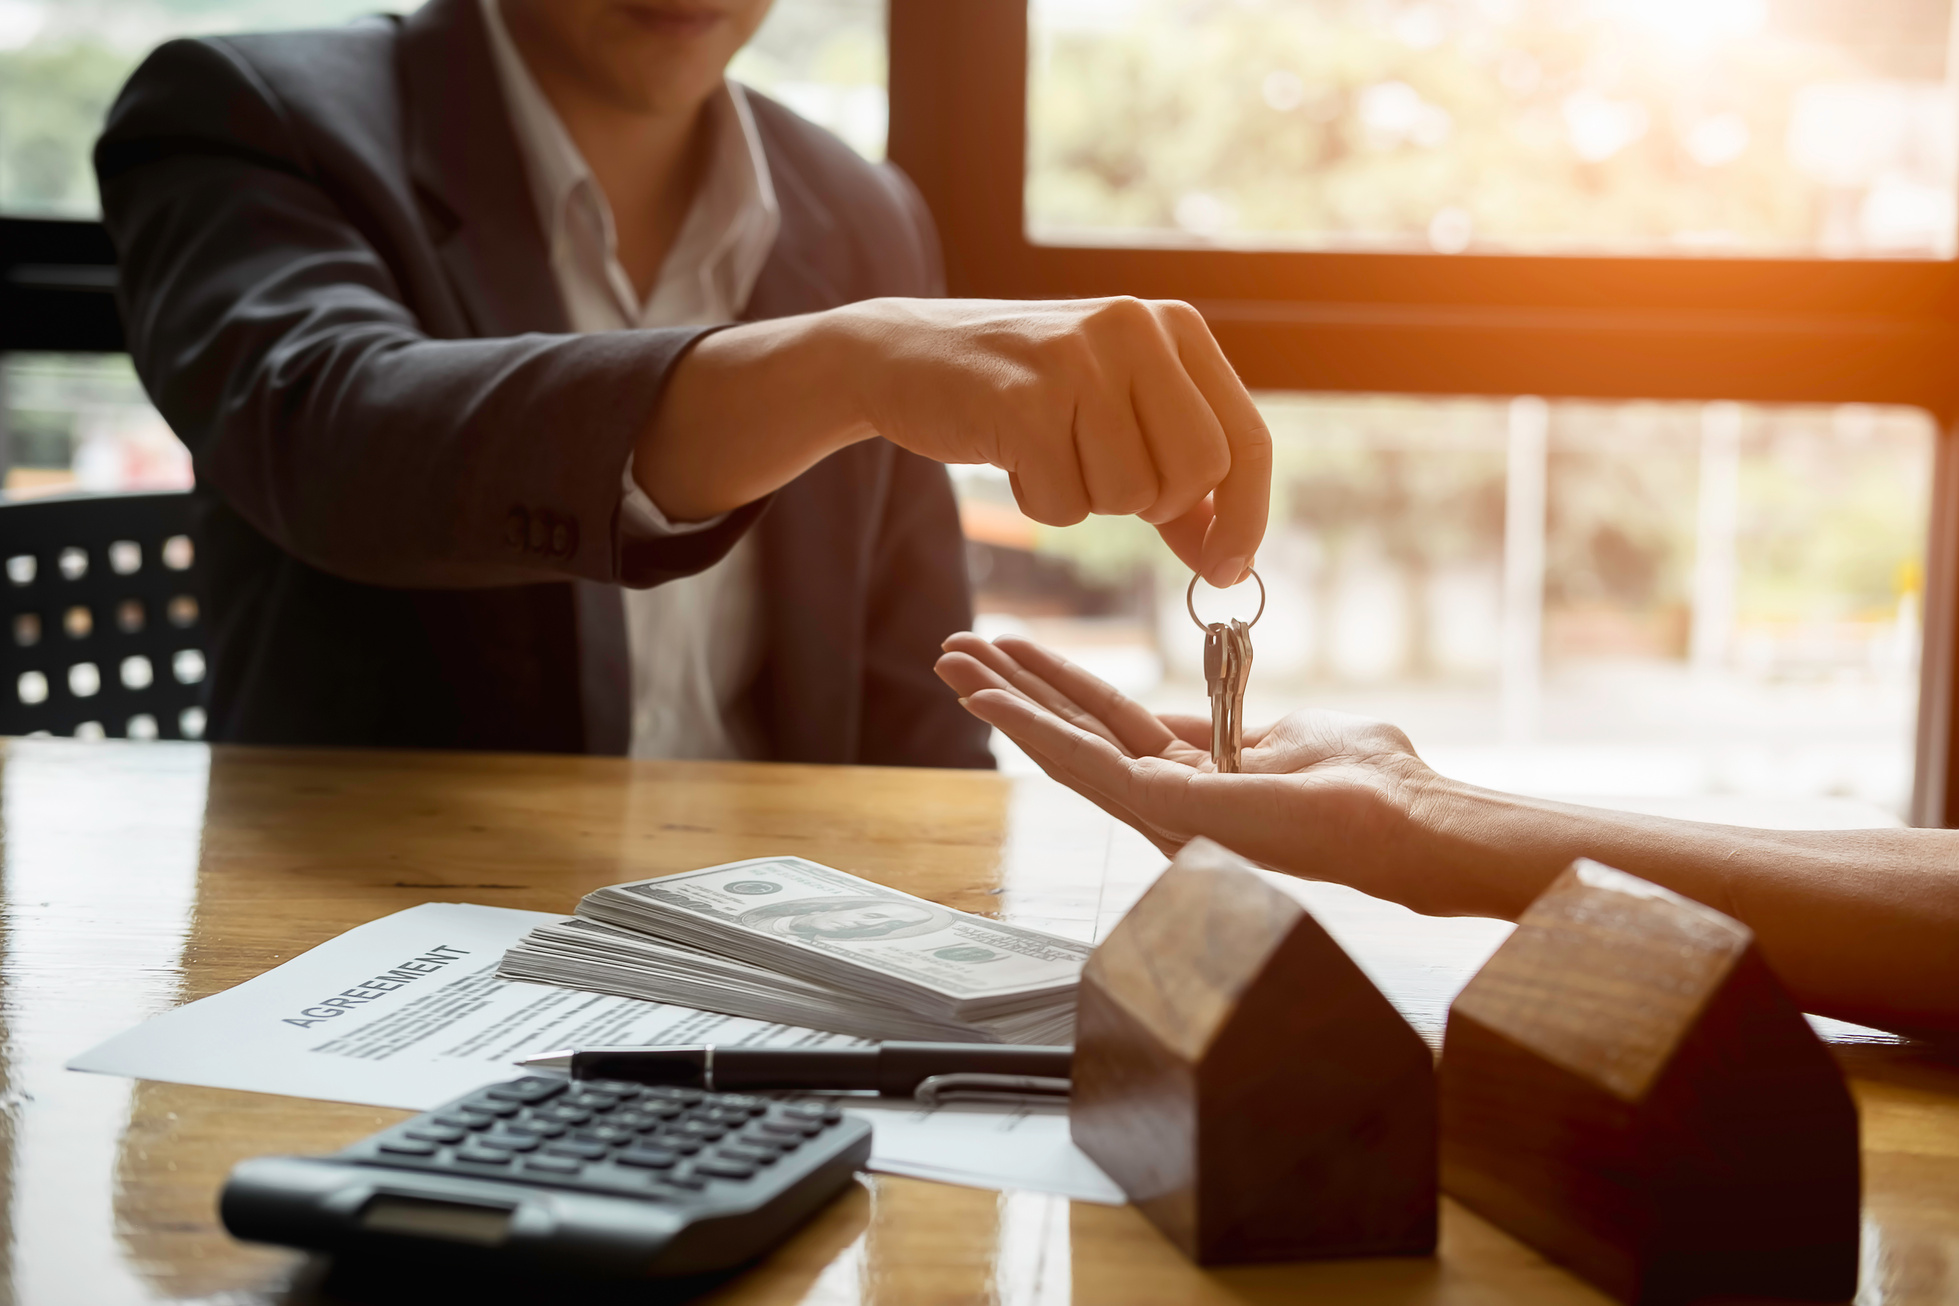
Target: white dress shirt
696, 644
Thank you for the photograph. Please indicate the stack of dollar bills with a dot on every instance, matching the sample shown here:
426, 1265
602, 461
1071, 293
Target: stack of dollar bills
797, 943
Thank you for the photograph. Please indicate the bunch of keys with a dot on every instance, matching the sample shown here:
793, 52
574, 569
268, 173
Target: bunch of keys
1227, 666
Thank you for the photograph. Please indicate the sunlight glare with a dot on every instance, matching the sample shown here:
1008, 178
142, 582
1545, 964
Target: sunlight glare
1696, 24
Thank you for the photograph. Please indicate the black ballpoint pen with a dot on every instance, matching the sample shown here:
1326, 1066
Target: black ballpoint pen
893, 1069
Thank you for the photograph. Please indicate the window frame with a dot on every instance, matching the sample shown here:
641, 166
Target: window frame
1757, 330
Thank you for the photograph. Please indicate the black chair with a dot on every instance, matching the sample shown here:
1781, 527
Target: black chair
103, 633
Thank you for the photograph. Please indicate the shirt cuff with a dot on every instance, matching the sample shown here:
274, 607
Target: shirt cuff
641, 518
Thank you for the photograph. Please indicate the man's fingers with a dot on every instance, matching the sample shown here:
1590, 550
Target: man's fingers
1118, 473
1185, 535
1134, 727
1046, 474
1186, 440
1243, 497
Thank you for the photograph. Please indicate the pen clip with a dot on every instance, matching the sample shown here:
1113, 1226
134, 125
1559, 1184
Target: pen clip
938, 1090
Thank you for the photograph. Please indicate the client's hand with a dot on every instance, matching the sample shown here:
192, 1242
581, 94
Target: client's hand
1322, 795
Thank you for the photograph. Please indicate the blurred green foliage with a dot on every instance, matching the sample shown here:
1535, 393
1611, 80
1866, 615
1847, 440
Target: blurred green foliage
1538, 124
1834, 512
52, 102
1833, 502
56, 90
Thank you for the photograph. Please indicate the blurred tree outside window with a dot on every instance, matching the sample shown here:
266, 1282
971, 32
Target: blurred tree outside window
1730, 596
1763, 127
826, 60
62, 62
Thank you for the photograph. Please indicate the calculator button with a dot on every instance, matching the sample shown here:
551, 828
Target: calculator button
512, 1142
492, 1106
753, 1106
684, 1179
684, 1144
777, 1143
566, 1114
719, 1116
721, 1169
684, 1096
651, 1158
433, 1133
536, 1128
477, 1154
551, 1165
816, 1111
572, 1147
610, 1135
797, 1129
635, 1120
592, 1101
619, 1088
467, 1119
408, 1147
530, 1090
745, 1155
701, 1129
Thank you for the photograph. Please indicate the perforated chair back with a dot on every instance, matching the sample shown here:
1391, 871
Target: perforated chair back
103, 633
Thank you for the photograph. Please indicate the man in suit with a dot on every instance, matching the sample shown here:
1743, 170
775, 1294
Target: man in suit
440, 307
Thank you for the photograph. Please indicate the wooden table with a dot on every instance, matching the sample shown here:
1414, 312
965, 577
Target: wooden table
141, 876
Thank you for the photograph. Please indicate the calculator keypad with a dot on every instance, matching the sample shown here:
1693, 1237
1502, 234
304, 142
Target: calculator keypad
604, 1136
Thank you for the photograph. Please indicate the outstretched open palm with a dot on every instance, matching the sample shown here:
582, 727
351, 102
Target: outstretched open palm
1318, 795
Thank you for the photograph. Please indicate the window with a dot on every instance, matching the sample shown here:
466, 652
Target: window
1714, 236
1718, 599
62, 63
1801, 127
82, 422
825, 59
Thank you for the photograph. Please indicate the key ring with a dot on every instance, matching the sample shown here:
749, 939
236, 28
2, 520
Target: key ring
1190, 601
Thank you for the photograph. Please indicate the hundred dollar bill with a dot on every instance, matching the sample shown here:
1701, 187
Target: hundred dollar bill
782, 937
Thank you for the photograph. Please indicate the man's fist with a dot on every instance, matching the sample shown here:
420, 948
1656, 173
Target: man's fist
1113, 406
1107, 406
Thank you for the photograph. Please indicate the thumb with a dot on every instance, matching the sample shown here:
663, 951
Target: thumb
1185, 534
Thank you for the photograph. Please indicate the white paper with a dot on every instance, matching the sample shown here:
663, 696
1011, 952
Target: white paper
407, 1012
955, 1144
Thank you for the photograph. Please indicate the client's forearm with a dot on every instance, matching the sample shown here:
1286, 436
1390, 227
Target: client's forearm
1860, 924
745, 412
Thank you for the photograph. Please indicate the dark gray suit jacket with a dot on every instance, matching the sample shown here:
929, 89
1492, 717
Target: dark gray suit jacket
336, 290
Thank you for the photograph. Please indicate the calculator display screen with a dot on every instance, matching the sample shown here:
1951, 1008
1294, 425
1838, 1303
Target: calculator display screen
484, 1226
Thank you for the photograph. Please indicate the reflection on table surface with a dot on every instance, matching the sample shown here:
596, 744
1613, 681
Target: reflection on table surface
141, 876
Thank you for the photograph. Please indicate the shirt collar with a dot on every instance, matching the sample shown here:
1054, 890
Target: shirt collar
722, 243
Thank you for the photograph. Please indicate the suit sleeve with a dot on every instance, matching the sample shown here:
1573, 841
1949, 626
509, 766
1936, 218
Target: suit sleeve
272, 333
919, 589
919, 594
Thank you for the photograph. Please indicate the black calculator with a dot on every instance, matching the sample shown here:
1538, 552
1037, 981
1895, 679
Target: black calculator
542, 1175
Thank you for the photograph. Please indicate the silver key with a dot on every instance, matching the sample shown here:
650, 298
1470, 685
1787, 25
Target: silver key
1227, 668
1240, 665
1218, 651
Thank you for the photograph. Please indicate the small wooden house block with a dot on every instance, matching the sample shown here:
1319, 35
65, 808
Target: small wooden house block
1246, 1085
1627, 1087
